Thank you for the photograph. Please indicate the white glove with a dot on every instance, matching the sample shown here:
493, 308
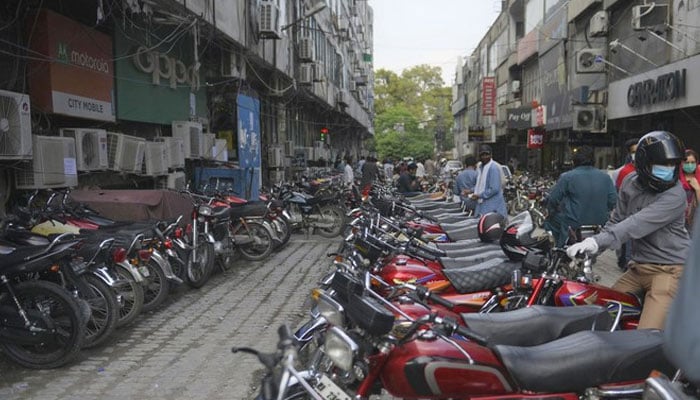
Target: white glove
588, 246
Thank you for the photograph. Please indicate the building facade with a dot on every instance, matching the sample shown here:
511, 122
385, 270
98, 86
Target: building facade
140, 93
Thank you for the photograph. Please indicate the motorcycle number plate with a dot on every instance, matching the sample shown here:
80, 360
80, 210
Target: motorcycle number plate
144, 271
329, 390
79, 267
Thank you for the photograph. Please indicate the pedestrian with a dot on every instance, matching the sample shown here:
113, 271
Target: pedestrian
348, 174
360, 163
620, 173
690, 180
430, 167
465, 183
420, 171
388, 169
370, 174
583, 196
408, 183
488, 192
650, 212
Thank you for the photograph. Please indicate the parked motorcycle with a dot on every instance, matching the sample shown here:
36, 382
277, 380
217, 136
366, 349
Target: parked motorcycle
321, 214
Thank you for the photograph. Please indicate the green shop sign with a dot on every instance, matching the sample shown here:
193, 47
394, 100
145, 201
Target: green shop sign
157, 84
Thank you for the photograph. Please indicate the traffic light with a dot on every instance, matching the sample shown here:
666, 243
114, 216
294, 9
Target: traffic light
324, 134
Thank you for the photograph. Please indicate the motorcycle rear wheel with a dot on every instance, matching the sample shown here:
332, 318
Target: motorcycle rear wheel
284, 230
259, 249
48, 305
338, 216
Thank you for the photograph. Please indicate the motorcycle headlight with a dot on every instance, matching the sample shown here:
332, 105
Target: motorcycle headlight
328, 308
340, 348
204, 210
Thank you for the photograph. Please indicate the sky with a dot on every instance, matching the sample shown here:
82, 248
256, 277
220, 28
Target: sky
433, 32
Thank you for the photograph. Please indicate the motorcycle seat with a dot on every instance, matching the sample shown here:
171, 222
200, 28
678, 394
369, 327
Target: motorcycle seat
485, 275
472, 250
585, 359
469, 261
251, 209
535, 325
468, 232
458, 245
452, 219
466, 222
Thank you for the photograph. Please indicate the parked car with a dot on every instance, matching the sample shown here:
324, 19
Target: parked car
453, 166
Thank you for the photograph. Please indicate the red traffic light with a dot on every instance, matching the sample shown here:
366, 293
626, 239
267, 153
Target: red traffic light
324, 131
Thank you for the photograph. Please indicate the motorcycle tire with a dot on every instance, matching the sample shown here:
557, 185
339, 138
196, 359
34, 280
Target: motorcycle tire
49, 304
104, 311
520, 205
284, 230
339, 221
199, 270
129, 296
155, 288
261, 248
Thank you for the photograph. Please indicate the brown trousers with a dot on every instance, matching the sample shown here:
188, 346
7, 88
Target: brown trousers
658, 283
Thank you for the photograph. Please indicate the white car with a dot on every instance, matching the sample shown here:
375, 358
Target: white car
453, 166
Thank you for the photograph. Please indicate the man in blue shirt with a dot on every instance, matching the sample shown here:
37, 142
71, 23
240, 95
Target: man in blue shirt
487, 191
465, 182
583, 196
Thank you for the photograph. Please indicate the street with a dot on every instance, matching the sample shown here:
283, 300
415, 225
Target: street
183, 349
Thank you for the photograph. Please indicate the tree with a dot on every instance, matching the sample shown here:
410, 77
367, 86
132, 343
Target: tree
411, 109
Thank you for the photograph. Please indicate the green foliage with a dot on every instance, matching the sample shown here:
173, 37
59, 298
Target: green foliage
412, 110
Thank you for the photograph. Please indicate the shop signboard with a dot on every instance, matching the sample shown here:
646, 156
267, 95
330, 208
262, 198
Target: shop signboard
77, 76
488, 96
249, 142
519, 118
157, 83
535, 138
555, 93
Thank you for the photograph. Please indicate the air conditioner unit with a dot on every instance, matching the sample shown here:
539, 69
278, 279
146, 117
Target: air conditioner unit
320, 151
175, 151
598, 25
306, 49
515, 86
590, 61
306, 74
275, 156
352, 86
90, 148
649, 16
125, 153
277, 176
289, 148
269, 20
175, 180
208, 145
232, 65
15, 126
220, 150
54, 164
341, 98
156, 159
590, 118
307, 152
191, 135
319, 73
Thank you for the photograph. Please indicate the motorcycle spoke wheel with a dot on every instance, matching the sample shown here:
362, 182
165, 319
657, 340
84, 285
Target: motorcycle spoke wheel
261, 247
104, 312
199, 270
49, 306
129, 296
338, 217
155, 287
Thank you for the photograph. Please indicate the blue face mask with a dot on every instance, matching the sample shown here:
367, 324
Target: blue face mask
663, 172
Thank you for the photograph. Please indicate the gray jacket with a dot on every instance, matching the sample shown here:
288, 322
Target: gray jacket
655, 222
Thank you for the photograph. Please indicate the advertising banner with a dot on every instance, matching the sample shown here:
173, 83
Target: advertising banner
76, 78
519, 118
555, 93
535, 138
488, 96
249, 143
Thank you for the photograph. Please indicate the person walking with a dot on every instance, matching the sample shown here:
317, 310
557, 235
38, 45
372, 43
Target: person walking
488, 192
465, 183
348, 173
650, 212
388, 168
690, 179
583, 196
420, 170
370, 173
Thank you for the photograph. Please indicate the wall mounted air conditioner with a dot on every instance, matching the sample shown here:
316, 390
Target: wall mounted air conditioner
15, 126
306, 73
308, 152
90, 148
269, 20
649, 16
289, 148
598, 24
156, 159
54, 164
220, 150
590, 61
352, 86
175, 150
191, 135
589, 118
319, 73
320, 151
277, 176
342, 98
275, 156
176, 180
515, 86
208, 145
232, 65
125, 153
306, 49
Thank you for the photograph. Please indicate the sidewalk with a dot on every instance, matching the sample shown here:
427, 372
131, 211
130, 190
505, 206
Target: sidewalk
606, 267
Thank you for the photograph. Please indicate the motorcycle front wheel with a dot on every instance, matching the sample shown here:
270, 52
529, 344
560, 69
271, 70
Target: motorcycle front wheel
49, 307
199, 269
129, 295
335, 214
156, 286
104, 311
261, 247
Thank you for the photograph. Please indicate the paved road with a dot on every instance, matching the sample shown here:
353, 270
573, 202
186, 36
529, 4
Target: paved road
182, 351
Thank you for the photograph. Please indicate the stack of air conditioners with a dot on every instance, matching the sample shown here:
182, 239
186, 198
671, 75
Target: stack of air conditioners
175, 151
54, 164
192, 137
125, 153
156, 159
90, 148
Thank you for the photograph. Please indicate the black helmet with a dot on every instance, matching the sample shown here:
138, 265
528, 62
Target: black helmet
491, 226
517, 238
657, 148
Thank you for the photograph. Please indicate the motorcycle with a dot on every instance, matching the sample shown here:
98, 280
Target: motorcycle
321, 214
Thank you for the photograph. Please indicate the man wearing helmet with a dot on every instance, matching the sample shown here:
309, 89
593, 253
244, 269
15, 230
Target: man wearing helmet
650, 212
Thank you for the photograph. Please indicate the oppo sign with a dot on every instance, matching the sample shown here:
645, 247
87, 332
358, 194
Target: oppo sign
162, 66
